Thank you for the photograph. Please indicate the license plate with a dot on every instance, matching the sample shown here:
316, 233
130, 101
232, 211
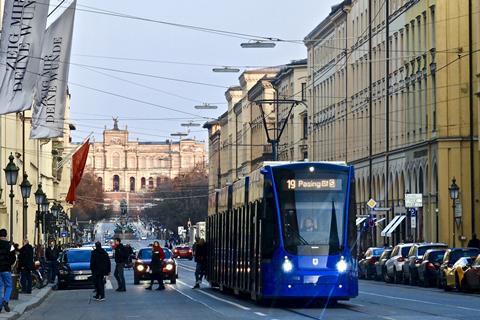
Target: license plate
81, 277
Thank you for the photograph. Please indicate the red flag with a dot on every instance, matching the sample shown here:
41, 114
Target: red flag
79, 159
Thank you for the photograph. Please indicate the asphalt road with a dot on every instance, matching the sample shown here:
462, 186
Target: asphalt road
377, 300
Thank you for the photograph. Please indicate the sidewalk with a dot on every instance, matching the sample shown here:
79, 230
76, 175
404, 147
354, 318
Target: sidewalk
25, 302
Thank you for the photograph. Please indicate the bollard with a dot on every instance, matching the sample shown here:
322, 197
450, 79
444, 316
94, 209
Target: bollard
15, 286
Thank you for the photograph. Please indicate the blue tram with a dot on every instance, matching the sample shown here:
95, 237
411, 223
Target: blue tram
287, 230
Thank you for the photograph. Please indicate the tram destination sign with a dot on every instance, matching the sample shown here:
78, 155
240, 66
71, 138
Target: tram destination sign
313, 184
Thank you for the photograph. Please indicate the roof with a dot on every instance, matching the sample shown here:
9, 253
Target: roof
325, 21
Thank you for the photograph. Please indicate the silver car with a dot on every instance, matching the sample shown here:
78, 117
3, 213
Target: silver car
394, 265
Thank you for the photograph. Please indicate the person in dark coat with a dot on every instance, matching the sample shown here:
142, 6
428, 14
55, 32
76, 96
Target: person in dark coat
7, 259
474, 242
201, 256
121, 259
156, 266
51, 254
101, 267
26, 265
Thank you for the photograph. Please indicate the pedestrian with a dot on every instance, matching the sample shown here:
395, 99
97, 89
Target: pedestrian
51, 254
201, 260
120, 260
156, 266
474, 242
26, 265
7, 259
130, 255
101, 267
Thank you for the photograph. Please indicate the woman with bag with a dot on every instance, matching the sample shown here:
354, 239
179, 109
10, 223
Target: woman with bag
156, 266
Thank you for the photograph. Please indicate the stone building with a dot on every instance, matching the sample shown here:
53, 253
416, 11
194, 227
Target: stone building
126, 167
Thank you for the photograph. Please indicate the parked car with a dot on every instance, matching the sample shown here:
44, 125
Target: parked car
366, 266
109, 250
470, 281
74, 268
427, 271
395, 263
141, 270
414, 259
183, 252
380, 264
446, 278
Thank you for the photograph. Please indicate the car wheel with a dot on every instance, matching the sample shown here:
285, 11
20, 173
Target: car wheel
136, 280
445, 285
458, 284
396, 277
385, 276
61, 286
173, 279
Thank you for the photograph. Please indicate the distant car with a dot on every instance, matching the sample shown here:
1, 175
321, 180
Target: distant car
428, 270
109, 250
380, 264
395, 263
366, 266
141, 270
447, 271
414, 259
143, 238
74, 268
471, 276
183, 252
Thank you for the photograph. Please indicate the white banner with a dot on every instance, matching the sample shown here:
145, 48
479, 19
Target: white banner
23, 27
51, 97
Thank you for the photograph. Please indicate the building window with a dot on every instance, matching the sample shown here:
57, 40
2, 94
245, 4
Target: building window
132, 184
116, 183
150, 183
159, 181
304, 91
116, 160
143, 183
100, 181
305, 126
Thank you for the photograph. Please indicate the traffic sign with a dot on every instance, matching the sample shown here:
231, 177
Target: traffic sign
64, 234
413, 200
371, 203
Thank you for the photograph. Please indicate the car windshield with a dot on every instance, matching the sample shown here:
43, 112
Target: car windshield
312, 206
76, 256
423, 249
386, 254
457, 254
146, 254
378, 251
436, 256
405, 251
108, 248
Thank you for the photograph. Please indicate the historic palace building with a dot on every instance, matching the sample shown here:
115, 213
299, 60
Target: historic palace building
128, 168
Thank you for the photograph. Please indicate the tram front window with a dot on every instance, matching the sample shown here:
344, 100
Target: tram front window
312, 206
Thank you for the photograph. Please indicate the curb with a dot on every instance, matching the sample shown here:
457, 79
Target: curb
19, 309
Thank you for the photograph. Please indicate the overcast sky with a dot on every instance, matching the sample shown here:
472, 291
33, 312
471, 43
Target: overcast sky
119, 43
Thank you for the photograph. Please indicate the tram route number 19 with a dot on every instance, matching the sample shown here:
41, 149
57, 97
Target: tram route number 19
291, 184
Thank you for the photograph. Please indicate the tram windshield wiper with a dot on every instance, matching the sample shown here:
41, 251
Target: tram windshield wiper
297, 235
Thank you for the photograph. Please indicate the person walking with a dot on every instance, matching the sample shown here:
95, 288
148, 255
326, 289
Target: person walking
474, 242
157, 266
51, 254
101, 267
26, 265
7, 259
201, 260
120, 260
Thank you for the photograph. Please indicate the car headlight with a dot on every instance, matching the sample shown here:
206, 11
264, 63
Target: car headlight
63, 272
342, 266
169, 267
287, 266
140, 267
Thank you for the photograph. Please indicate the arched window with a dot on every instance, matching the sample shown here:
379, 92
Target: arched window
116, 183
100, 181
150, 183
132, 184
159, 181
143, 183
420, 181
115, 160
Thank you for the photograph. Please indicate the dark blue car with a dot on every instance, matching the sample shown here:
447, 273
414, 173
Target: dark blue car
74, 268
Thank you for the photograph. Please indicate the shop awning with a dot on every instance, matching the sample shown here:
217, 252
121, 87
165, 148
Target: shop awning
394, 226
389, 225
360, 220
379, 220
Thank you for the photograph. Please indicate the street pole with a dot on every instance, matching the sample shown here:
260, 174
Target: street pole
25, 205
453, 206
12, 195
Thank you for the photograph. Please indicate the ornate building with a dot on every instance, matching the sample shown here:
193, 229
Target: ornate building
126, 167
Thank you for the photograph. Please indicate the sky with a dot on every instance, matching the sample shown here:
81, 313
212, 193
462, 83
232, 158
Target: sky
104, 44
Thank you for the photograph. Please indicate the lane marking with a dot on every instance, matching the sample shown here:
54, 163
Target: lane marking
417, 301
217, 298
260, 314
195, 300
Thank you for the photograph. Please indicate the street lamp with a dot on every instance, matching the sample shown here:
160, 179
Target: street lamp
39, 197
44, 207
453, 189
26, 189
226, 70
206, 106
11, 175
258, 44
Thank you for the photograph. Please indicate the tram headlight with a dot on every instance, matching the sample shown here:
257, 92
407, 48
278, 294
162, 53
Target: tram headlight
342, 266
287, 266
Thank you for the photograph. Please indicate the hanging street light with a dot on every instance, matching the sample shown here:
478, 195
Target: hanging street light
206, 106
11, 175
258, 44
226, 70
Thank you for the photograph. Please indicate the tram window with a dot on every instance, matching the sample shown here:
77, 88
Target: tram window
268, 222
352, 228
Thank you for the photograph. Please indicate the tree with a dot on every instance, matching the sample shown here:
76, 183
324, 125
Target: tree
182, 198
89, 205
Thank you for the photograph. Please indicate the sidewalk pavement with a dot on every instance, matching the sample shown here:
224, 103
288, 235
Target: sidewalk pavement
25, 302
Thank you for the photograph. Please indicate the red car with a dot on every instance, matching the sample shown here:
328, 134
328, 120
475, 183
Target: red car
183, 252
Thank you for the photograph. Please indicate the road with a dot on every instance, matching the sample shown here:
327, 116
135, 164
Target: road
377, 300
